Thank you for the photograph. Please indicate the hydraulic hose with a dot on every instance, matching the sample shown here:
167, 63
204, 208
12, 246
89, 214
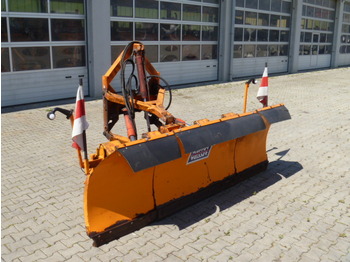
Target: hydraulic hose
127, 86
167, 86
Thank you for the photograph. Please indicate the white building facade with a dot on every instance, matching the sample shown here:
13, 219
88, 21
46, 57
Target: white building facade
47, 45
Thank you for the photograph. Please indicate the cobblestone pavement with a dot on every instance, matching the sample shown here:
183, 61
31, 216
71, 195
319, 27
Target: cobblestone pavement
297, 210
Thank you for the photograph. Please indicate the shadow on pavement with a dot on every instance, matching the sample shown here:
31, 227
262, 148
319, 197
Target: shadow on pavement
275, 172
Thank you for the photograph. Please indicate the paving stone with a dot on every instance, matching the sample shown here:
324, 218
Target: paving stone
165, 250
224, 256
185, 252
34, 256
172, 258
147, 248
237, 248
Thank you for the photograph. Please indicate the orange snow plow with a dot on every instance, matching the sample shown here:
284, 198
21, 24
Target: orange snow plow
136, 179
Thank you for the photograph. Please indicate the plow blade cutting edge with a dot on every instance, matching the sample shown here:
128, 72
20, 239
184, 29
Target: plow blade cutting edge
159, 176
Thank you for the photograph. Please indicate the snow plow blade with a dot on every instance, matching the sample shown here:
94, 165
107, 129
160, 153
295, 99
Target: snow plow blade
144, 181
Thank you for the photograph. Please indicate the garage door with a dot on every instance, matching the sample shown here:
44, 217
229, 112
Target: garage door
344, 50
43, 51
181, 39
261, 34
316, 35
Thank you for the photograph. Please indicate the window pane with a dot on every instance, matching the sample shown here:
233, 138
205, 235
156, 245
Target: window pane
29, 29
68, 56
324, 14
209, 52
32, 6
250, 18
190, 32
284, 21
263, 35
328, 49
5, 60
317, 24
315, 38
67, 7
310, 11
274, 35
121, 8
210, 14
321, 49
170, 32
301, 50
240, 3
190, 52
307, 49
3, 5
286, 7
4, 36
249, 34
304, 10
264, 5
263, 19
342, 49
318, 12
343, 39
276, 5
151, 52
238, 34
314, 50
283, 50
308, 37
169, 53
284, 36
274, 20
191, 13
116, 51
346, 18
30, 58
146, 31
309, 23
237, 51
67, 29
251, 4
146, 9
209, 33
323, 38
239, 17
273, 50
330, 26
249, 51
211, 1
261, 50
170, 11
324, 25
347, 7
302, 35
122, 31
